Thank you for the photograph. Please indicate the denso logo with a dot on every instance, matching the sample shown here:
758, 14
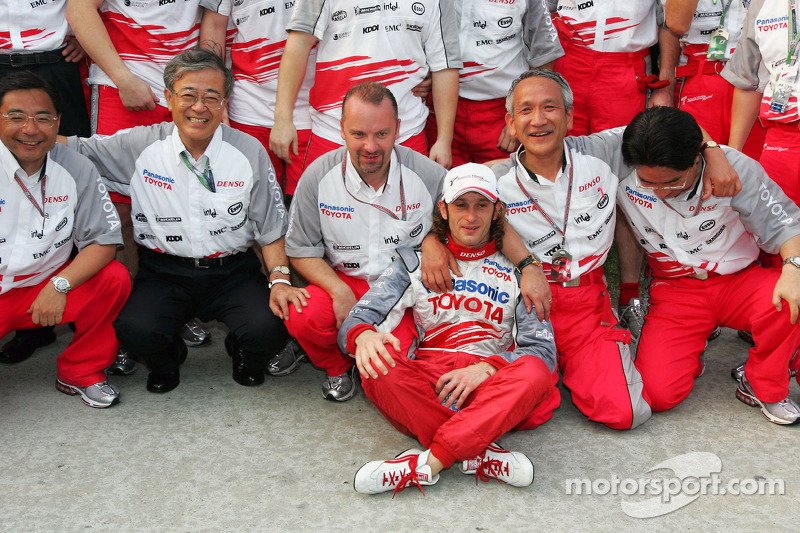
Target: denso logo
416, 231
339, 15
266, 11
505, 22
370, 29
586, 186
418, 8
235, 208
230, 184
56, 199
409, 207
61, 224
707, 225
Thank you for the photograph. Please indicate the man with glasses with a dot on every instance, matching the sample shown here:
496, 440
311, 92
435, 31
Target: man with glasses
202, 194
702, 253
51, 199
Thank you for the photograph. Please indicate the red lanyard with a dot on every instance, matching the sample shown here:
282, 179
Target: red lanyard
544, 213
376, 206
42, 180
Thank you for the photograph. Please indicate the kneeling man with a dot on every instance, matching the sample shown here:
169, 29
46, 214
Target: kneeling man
51, 199
702, 255
466, 386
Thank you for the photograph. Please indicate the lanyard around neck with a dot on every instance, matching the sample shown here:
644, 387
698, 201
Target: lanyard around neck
544, 213
376, 206
42, 182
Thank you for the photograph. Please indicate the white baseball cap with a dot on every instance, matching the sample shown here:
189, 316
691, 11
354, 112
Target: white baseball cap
471, 177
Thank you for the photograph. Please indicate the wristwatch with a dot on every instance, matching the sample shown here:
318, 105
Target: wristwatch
61, 284
794, 260
280, 268
708, 144
531, 259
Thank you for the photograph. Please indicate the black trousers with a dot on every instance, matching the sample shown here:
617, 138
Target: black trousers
167, 293
66, 80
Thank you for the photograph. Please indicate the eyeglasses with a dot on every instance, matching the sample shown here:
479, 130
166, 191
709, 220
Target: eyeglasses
20, 120
664, 187
212, 101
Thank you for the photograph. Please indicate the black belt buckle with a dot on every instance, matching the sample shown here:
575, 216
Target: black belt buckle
16, 60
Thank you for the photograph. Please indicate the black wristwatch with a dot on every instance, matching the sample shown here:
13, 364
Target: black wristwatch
531, 259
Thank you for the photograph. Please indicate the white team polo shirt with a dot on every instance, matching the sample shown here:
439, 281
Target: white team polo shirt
611, 25
328, 218
596, 167
33, 25
259, 38
761, 54
146, 35
79, 211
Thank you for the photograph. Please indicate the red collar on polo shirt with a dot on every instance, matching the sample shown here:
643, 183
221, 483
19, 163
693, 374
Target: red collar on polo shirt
470, 254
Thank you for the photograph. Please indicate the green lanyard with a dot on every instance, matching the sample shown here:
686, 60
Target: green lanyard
724, 13
791, 56
205, 178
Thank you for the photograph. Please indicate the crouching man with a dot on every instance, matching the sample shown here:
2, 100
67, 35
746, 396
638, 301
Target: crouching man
702, 255
51, 199
466, 387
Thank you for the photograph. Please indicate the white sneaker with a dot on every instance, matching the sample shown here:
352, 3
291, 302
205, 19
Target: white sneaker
503, 465
396, 474
785, 412
99, 395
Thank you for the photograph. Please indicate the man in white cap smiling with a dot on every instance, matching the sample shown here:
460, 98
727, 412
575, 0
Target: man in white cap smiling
466, 386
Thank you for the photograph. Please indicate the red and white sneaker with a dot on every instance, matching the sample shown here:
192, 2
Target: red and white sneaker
396, 474
503, 465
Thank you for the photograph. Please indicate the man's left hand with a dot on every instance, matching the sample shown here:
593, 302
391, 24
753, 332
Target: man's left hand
73, 52
719, 178
48, 307
437, 263
282, 295
442, 154
788, 288
460, 383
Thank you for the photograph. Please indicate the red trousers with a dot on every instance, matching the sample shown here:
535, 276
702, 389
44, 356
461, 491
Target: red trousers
477, 129
109, 116
594, 357
604, 86
522, 395
683, 313
315, 328
92, 306
318, 146
288, 175
781, 157
708, 98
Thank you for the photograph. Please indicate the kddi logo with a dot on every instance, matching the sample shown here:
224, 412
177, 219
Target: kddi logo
370, 29
266, 11
584, 5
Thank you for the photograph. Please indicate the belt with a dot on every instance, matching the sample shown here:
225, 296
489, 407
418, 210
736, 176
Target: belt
32, 58
694, 68
197, 262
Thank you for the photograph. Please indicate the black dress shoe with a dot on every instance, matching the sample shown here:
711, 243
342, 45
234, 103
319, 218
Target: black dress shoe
163, 382
244, 375
24, 344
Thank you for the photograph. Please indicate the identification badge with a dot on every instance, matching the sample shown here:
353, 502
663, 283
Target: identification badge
783, 88
718, 46
560, 265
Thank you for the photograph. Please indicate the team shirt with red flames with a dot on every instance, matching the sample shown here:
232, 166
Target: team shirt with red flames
147, 34
258, 32
610, 25
392, 42
32, 26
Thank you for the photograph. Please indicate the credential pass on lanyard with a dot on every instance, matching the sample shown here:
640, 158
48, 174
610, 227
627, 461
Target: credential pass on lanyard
544, 213
42, 181
376, 206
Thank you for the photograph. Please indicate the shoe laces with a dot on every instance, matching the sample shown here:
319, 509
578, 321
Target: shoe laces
408, 479
787, 405
490, 468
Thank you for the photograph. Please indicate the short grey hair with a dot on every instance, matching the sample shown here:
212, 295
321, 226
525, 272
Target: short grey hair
566, 91
194, 60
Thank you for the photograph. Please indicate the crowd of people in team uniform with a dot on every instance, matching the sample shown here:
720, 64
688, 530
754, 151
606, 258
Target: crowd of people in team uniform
419, 197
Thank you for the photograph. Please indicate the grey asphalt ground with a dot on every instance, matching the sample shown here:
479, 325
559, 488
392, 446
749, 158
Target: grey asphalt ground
214, 456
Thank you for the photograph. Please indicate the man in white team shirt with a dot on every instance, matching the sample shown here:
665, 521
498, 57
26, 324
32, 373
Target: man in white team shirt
702, 254
51, 199
202, 195
392, 43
